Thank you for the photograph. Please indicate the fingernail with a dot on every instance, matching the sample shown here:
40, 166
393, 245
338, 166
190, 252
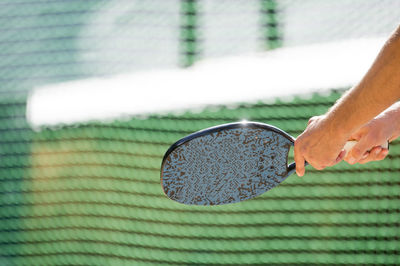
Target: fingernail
377, 151
365, 155
299, 174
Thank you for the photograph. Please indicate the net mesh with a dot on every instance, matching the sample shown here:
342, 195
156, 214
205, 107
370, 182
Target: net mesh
90, 194
313, 21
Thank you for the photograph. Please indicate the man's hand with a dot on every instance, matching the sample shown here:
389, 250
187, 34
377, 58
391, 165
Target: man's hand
321, 145
385, 127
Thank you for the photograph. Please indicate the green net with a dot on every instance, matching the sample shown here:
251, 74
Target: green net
90, 194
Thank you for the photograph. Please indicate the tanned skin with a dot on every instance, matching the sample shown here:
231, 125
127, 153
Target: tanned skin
322, 142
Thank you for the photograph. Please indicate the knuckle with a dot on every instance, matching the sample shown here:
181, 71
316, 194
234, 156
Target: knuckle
313, 119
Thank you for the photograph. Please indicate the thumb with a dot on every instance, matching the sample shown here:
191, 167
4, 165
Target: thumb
359, 150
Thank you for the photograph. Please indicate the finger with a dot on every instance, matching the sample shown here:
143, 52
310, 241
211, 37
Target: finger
299, 160
372, 155
358, 151
367, 157
348, 157
383, 154
341, 156
376, 154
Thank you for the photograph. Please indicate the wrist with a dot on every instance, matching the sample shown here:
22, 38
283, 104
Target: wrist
348, 115
396, 124
338, 126
391, 121
334, 128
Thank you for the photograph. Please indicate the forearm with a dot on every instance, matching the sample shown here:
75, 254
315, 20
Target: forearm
379, 89
321, 144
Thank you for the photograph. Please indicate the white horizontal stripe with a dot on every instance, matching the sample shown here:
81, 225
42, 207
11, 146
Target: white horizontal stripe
283, 72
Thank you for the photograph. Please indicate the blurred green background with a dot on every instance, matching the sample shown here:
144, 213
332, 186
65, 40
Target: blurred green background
89, 194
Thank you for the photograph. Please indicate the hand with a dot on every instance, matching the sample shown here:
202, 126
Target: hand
321, 145
371, 136
375, 154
